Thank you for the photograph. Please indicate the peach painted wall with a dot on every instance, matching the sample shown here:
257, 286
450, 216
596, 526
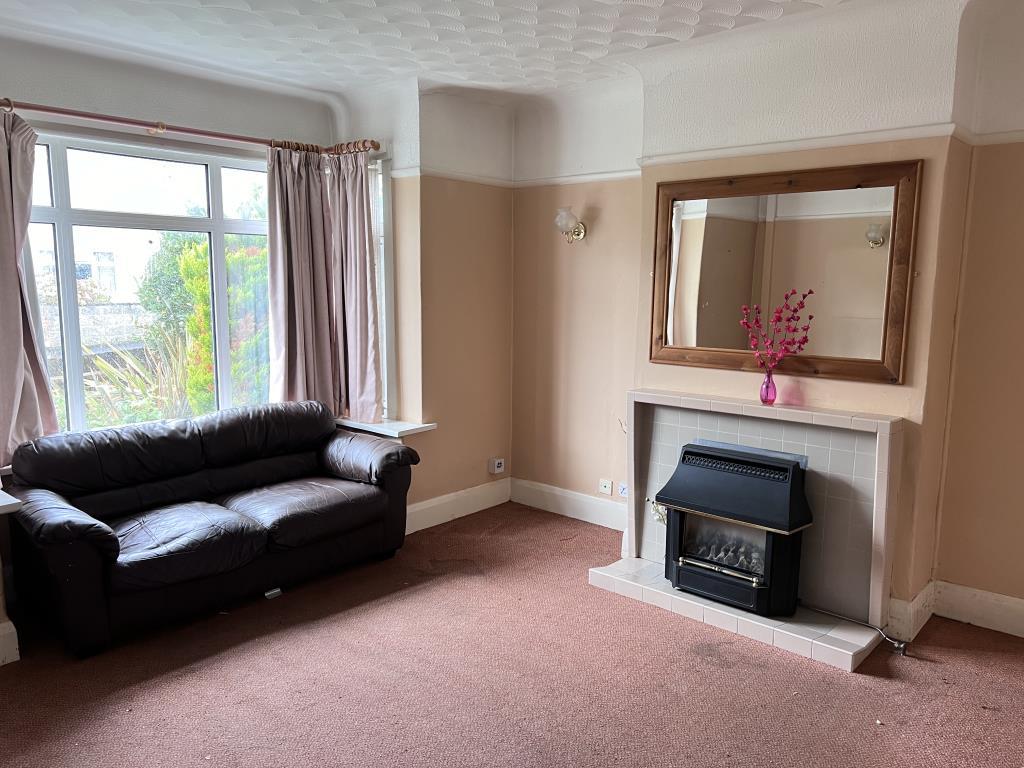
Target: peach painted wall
982, 514
575, 314
923, 397
574, 358
465, 293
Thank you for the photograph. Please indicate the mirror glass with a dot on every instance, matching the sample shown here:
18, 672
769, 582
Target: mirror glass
730, 251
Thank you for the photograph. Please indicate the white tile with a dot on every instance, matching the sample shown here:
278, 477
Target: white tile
718, 617
808, 623
756, 630
833, 420
819, 436
666, 454
865, 465
841, 487
836, 653
707, 421
659, 595
624, 586
599, 579
658, 398
708, 435
799, 645
865, 488
842, 440
794, 433
864, 425
750, 426
626, 565
729, 424
800, 449
794, 415
854, 633
771, 445
722, 406
748, 441
772, 430
652, 573
666, 433
759, 411
867, 444
841, 462
817, 458
667, 416
882, 455
695, 403
688, 419
690, 606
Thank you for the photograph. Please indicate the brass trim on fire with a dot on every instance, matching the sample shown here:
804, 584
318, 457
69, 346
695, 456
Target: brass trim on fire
739, 522
755, 581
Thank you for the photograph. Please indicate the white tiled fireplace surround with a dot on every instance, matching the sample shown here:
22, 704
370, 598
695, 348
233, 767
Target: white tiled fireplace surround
852, 481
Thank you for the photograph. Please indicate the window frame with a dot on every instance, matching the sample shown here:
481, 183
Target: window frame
63, 218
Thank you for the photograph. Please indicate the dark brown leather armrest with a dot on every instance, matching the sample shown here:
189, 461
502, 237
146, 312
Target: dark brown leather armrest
50, 521
364, 458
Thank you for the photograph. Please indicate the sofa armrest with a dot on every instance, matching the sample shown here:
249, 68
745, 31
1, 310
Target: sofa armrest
50, 521
363, 458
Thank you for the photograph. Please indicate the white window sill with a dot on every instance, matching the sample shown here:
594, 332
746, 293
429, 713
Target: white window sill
386, 428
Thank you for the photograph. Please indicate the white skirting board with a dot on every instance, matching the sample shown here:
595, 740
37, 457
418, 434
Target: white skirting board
1001, 613
441, 509
8, 643
907, 617
590, 509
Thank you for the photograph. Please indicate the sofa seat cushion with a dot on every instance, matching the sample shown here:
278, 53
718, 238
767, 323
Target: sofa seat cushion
182, 542
298, 512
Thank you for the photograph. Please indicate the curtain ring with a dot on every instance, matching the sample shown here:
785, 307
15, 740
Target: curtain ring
6, 104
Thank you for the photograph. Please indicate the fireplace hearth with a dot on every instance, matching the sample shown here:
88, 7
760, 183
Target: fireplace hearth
735, 522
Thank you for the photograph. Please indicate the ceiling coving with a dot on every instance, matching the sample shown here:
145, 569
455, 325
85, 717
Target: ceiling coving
333, 44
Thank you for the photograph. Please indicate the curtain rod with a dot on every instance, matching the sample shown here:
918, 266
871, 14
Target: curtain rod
157, 128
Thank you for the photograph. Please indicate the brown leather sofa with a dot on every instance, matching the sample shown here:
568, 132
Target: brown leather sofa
126, 528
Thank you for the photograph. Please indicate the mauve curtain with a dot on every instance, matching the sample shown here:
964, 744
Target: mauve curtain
26, 407
323, 298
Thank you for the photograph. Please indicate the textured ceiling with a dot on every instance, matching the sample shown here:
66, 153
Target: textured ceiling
326, 44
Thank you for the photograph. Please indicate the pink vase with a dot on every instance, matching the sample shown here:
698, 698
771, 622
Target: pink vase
768, 391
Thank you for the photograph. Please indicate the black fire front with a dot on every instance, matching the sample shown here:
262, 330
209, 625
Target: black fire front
734, 528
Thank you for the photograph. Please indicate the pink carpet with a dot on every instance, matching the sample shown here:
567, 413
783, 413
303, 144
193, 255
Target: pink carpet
481, 644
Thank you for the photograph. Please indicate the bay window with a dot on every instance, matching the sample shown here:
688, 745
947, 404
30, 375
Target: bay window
148, 278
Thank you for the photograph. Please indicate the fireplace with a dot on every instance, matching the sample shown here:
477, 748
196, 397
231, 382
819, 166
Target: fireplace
734, 523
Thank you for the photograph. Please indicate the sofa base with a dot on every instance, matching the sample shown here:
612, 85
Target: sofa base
134, 612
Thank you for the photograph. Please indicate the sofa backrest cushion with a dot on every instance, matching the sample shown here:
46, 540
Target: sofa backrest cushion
109, 473
245, 434
204, 485
78, 463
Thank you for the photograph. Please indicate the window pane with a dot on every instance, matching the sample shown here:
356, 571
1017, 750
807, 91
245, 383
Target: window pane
41, 191
105, 182
248, 318
42, 257
245, 194
146, 324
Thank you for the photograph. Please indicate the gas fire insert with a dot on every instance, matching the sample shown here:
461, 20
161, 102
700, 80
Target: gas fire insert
734, 528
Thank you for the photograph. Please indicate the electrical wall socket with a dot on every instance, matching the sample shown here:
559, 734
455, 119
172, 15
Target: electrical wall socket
623, 490
605, 487
496, 466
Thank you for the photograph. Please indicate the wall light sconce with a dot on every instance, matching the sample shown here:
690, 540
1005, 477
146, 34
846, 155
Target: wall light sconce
569, 225
876, 236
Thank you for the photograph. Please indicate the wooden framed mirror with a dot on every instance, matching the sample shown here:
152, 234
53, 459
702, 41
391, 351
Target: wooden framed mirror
848, 233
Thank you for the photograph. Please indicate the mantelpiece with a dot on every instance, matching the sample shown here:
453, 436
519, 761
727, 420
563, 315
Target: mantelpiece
853, 479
